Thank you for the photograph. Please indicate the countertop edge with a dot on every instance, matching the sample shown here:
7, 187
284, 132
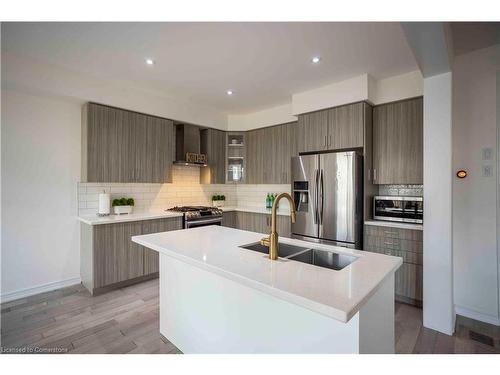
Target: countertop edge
394, 224
96, 220
328, 311
114, 219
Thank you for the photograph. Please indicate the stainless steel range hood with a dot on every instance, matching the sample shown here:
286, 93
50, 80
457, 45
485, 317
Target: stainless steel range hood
187, 146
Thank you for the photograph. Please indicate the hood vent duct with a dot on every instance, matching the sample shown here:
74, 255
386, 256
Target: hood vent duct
187, 146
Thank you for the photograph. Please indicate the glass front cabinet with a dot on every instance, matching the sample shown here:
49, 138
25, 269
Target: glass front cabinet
235, 157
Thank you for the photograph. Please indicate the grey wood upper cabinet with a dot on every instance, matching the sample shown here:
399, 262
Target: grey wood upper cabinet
254, 161
398, 142
213, 144
332, 129
345, 126
269, 153
125, 146
313, 131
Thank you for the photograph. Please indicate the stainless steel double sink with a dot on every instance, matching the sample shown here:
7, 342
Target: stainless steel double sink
316, 257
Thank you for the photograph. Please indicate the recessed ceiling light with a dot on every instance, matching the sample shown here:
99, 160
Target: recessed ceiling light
229, 92
316, 59
150, 61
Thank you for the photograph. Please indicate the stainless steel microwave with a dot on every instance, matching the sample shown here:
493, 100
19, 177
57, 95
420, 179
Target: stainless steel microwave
396, 208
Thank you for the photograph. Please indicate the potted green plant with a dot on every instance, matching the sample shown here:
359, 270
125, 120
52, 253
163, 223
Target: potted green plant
218, 200
123, 205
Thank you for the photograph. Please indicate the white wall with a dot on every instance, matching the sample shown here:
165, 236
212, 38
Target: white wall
335, 94
40, 171
404, 86
281, 114
474, 198
437, 265
21, 73
363, 87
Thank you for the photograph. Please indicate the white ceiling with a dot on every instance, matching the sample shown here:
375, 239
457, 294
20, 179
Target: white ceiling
263, 63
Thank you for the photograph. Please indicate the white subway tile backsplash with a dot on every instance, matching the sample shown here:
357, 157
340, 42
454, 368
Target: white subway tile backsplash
185, 190
402, 190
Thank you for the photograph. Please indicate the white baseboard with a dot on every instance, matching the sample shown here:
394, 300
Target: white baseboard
485, 318
11, 296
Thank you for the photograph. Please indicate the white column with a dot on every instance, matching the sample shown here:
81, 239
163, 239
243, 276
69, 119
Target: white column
438, 262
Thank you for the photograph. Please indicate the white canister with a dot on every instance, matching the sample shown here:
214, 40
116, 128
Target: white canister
104, 204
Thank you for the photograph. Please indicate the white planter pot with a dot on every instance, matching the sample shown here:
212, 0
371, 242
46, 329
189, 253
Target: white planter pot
120, 210
218, 203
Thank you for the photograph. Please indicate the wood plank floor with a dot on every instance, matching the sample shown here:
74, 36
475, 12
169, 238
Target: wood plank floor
126, 320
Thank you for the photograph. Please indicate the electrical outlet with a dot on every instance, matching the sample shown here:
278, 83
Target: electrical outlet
487, 171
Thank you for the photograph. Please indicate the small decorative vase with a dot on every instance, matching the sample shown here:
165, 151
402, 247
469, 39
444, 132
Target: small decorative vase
121, 210
218, 203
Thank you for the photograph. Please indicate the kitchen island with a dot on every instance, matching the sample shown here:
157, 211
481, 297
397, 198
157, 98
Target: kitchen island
216, 297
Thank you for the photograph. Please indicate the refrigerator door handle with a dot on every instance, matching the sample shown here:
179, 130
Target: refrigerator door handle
321, 197
315, 200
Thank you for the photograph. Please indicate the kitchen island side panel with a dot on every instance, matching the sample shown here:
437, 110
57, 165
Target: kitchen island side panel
201, 312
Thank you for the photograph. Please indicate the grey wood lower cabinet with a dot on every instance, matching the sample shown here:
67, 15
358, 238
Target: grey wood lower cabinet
110, 259
256, 222
404, 243
229, 219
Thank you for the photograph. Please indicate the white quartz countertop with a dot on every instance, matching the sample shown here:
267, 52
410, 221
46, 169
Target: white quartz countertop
258, 210
96, 220
395, 224
336, 294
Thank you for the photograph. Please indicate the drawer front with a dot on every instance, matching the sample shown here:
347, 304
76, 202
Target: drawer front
403, 243
393, 238
402, 234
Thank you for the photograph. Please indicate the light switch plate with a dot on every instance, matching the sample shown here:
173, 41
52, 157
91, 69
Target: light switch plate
487, 171
487, 153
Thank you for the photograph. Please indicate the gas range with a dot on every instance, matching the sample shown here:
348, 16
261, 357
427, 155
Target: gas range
197, 216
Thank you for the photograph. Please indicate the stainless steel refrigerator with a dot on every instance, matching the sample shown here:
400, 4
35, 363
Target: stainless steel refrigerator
328, 195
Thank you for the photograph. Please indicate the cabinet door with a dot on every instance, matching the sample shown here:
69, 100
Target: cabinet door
289, 134
345, 126
254, 160
229, 219
251, 221
107, 149
281, 149
161, 149
258, 159
268, 138
398, 142
215, 148
116, 257
124, 146
408, 280
151, 257
313, 131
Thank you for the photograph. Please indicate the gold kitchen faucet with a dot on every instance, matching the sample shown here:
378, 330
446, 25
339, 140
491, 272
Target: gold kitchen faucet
272, 240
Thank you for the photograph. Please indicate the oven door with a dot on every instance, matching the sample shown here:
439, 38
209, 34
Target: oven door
203, 222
